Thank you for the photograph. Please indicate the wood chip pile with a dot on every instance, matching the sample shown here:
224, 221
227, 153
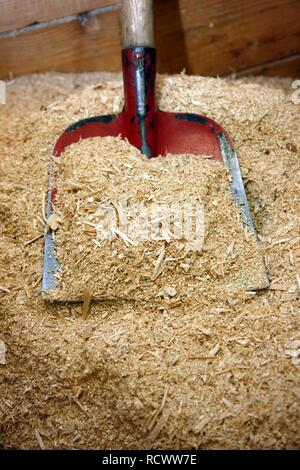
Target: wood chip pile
216, 368
127, 227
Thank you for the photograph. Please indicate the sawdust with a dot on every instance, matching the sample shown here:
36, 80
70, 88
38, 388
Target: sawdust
133, 228
217, 370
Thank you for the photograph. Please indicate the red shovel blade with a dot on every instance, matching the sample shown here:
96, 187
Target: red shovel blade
155, 133
167, 133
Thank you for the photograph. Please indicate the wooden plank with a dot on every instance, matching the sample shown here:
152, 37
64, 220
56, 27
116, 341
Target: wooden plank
72, 46
19, 13
211, 37
287, 67
223, 37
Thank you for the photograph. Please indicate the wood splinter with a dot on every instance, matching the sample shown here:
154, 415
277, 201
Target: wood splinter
86, 304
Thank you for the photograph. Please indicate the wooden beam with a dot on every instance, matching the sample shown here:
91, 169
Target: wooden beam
19, 13
208, 37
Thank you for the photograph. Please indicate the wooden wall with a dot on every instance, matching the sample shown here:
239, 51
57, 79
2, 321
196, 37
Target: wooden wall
207, 37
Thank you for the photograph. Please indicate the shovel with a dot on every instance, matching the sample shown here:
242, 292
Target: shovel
152, 131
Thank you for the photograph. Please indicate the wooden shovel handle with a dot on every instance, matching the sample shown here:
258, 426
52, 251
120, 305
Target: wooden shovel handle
137, 23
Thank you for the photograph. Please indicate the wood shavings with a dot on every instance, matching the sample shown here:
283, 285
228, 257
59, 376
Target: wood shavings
29, 242
159, 410
293, 350
291, 147
159, 426
280, 287
4, 289
115, 361
86, 303
168, 291
80, 406
2, 353
205, 331
53, 221
158, 263
199, 427
134, 233
298, 281
39, 439
214, 351
124, 237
